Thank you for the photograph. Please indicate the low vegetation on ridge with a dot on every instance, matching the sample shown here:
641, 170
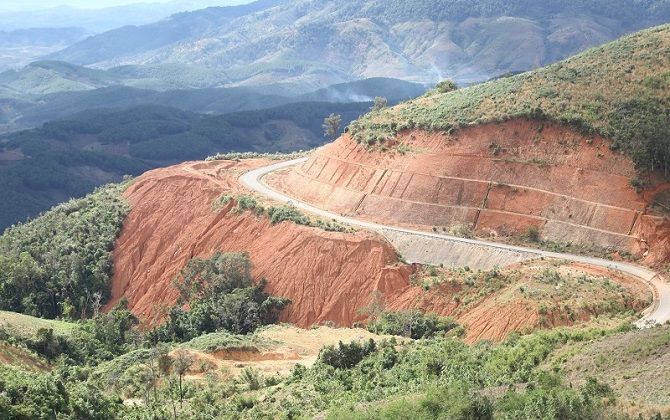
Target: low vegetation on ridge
619, 90
279, 214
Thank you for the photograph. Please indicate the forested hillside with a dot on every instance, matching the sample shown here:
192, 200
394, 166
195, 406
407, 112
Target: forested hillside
68, 158
60, 264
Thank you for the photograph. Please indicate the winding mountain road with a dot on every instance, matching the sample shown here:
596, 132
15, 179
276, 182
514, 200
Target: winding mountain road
658, 312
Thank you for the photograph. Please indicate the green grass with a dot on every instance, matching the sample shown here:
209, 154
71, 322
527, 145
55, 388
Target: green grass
225, 340
619, 90
287, 212
26, 325
633, 363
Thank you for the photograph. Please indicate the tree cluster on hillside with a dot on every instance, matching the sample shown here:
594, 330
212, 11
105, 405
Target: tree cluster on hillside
106, 360
57, 265
221, 295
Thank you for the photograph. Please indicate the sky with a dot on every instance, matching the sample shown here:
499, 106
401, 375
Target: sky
24, 5
79, 4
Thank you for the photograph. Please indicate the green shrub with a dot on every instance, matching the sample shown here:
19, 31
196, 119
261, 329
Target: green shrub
221, 295
412, 323
346, 356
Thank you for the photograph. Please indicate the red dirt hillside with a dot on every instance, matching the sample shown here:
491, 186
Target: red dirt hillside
329, 276
498, 178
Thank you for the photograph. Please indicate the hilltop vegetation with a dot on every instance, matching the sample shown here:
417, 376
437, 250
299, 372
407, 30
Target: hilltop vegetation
60, 264
619, 90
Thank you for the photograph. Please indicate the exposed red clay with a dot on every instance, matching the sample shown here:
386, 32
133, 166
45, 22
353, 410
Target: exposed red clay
499, 178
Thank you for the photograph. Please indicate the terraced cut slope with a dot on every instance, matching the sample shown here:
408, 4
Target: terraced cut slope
496, 178
333, 276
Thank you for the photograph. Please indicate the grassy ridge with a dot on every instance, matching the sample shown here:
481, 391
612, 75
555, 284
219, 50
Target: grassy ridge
26, 325
619, 90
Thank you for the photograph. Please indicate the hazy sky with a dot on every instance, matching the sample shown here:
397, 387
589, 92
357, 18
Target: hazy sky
16, 5
79, 4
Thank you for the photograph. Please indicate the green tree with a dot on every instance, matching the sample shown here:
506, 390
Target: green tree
222, 295
379, 103
446, 86
331, 125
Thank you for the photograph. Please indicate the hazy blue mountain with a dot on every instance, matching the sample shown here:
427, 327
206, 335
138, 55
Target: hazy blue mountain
49, 90
130, 40
22, 46
35, 15
323, 42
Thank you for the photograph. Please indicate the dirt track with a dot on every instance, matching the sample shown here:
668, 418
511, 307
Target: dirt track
329, 276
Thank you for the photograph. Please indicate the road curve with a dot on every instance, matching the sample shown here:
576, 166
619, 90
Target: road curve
658, 312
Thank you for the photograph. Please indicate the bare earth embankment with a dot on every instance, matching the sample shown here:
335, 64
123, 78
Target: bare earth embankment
329, 276
496, 179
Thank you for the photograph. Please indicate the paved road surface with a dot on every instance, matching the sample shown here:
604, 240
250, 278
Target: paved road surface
658, 312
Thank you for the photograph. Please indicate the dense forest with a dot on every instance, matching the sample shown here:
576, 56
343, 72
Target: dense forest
60, 264
54, 162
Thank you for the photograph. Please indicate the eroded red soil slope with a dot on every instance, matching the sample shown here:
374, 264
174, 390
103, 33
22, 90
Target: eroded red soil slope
326, 274
498, 178
329, 276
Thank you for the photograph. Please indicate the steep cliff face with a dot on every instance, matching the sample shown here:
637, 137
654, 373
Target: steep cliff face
495, 178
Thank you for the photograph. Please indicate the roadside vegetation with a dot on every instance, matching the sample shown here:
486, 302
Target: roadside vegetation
237, 156
277, 214
618, 90
560, 292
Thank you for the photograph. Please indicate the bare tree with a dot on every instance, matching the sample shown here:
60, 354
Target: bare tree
182, 363
380, 103
97, 297
375, 308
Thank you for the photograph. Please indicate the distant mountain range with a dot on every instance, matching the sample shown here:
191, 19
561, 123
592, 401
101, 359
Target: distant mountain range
321, 42
28, 32
71, 154
36, 15
274, 55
